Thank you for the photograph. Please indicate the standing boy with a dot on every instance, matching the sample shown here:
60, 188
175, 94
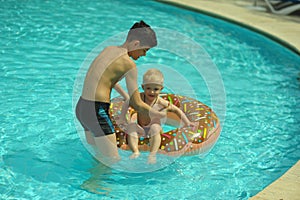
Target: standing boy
108, 68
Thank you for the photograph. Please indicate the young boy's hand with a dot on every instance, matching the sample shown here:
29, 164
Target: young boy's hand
194, 125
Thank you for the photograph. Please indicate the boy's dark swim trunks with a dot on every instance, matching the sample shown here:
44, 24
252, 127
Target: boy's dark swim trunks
94, 117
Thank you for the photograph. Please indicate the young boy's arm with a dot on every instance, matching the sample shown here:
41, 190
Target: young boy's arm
178, 112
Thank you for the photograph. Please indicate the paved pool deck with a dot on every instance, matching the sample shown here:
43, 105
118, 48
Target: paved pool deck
283, 29
285, 188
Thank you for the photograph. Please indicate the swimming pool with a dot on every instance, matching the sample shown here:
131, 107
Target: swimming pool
44, 45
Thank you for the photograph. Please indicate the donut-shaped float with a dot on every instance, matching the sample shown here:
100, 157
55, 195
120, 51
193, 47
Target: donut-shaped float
174, 142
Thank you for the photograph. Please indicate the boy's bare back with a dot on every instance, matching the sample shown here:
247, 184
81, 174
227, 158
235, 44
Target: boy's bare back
102, 75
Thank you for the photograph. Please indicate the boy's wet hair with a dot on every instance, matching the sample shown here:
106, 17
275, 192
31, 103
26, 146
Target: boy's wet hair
142, 32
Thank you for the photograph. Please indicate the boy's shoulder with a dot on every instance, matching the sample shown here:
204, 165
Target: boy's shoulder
114, 52
123, 58
126, 61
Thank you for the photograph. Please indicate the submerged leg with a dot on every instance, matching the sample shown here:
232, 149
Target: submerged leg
106, 149
89, 137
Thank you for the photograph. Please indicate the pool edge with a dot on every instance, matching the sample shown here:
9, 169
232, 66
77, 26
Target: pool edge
272, 36
285, 187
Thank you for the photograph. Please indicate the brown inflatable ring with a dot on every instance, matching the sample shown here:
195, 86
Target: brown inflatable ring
174, 142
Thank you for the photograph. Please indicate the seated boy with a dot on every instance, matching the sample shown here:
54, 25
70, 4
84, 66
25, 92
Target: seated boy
152, 85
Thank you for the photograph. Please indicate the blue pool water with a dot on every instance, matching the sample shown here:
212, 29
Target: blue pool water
44, 45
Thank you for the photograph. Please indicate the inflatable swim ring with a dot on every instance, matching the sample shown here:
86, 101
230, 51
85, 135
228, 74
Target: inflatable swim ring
174, 142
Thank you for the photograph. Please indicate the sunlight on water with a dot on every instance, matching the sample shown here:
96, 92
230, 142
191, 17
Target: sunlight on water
44, 44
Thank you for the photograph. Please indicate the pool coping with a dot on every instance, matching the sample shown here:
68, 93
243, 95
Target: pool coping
285, 187
281, 29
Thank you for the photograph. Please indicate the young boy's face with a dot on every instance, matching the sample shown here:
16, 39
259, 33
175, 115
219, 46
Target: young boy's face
152, 90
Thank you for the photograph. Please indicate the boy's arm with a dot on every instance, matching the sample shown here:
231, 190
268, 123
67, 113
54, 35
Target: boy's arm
134, 94
124, 110
121, 91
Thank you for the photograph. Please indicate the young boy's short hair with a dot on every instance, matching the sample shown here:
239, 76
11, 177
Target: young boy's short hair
153, 76
142, 32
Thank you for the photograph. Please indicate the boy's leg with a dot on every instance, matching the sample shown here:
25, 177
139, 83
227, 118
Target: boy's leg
106, 149
89, 137
105, 146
